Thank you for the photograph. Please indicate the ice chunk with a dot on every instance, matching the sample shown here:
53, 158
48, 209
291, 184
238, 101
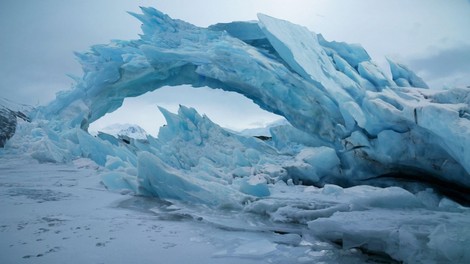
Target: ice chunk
297, 46
352, 53
246, 31
403, 77
255, 185
156, 178
412, 239
313, 164
330, 189
260, 248
46, 151
450, 243
118, 181
372, 73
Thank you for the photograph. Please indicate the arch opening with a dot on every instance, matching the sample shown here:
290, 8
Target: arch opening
230, 110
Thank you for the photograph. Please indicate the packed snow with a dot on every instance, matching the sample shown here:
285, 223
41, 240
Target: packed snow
367, 168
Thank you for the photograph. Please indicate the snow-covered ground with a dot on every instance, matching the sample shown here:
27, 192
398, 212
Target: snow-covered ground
61, 213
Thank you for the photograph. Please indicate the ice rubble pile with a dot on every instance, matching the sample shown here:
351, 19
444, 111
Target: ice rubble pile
351, 125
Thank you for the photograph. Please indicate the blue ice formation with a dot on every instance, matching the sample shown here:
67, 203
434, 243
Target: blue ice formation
351, 125
331, 91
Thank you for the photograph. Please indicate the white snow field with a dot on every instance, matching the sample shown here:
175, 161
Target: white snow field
56, 213
366, 169
61, 213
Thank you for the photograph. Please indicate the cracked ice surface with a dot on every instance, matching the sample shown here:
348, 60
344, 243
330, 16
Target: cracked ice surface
349, 125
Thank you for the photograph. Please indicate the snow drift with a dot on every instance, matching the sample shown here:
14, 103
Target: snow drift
351, 126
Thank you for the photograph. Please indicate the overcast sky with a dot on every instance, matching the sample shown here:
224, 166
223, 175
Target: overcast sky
38, 39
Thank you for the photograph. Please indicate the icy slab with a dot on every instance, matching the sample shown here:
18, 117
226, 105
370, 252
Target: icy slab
163, 182
298, 47
404, 77
246, 31
255, 185
353, 54
390, 221
420, 237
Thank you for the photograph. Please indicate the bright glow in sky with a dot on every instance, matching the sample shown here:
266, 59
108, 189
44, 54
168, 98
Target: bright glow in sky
39, 37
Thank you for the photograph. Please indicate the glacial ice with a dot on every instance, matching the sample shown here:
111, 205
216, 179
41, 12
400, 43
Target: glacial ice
365, 161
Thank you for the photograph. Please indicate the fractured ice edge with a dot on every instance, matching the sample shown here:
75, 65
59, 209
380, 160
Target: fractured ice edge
366, 162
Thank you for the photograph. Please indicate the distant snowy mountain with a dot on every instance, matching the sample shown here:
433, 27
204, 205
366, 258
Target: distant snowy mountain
129, 130
263, 131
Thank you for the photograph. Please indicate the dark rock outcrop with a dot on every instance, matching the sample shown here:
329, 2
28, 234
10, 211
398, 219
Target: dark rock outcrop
9, 114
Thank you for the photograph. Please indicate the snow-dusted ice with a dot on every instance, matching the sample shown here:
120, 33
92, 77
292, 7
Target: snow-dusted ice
367, 167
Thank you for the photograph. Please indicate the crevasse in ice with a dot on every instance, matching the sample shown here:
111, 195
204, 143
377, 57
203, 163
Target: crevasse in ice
350, 125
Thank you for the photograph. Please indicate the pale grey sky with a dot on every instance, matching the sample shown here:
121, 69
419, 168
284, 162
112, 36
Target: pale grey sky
38, 39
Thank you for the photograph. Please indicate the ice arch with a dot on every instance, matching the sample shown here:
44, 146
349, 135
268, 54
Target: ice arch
330, 90
172, 52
